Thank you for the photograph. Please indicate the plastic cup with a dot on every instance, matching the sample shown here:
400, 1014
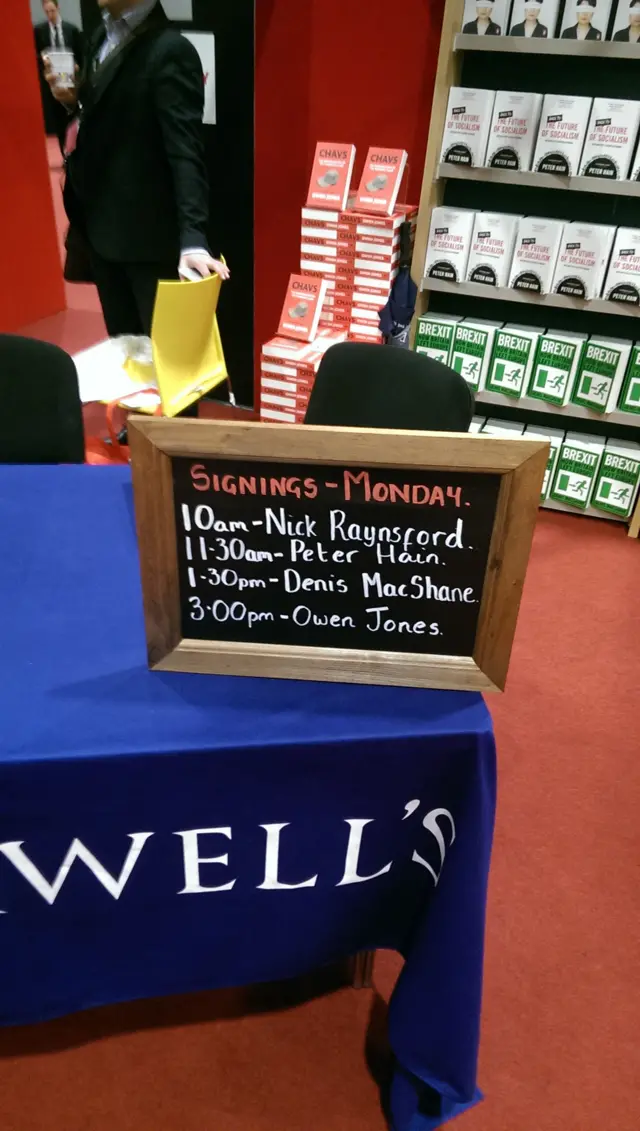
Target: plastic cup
63, 67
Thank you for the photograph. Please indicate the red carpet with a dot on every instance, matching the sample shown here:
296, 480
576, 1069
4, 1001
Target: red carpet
81, 325
560, 1048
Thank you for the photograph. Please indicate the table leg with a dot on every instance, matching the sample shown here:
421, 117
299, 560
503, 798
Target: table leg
362, 970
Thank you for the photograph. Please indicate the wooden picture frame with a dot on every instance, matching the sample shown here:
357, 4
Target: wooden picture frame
519, 463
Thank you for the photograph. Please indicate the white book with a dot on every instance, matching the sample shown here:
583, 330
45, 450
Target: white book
472, 350
623, 276
535, 254
626, 23
485, 17
583, 260
585, 20
467, 124
611, 138
449, 243
576, 469
510, 428
492, 243
600, 375
534, 19
563, 127
514, 128
555, 436
616, 487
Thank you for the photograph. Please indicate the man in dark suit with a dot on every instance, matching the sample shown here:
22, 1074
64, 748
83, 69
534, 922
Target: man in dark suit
136, 185
55, 34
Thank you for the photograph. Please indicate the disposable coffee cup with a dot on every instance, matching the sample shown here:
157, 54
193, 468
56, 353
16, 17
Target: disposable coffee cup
63, 67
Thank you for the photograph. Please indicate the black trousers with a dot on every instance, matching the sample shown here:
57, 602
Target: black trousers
128, 292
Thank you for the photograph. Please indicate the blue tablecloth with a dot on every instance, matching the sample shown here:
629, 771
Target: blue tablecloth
164, 833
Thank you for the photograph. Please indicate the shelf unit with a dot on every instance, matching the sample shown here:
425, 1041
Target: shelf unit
570, 412
454, 46
529, 298
551, 505
537, 180
505, 44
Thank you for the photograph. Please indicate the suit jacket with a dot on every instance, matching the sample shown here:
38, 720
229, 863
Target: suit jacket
623, 37
136, 182
472, 28
540, 31
56, 118
572, 33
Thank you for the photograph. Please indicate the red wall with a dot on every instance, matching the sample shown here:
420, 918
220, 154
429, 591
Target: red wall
331, 70
31, 285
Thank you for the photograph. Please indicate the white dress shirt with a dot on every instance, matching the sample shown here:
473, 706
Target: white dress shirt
117, 31
56, 34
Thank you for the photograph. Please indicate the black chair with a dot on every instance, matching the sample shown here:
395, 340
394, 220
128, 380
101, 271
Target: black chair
368, 386
40, 408
365, 386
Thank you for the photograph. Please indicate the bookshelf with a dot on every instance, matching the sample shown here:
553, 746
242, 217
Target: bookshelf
529, 298
504, 45
503, 63
538, 180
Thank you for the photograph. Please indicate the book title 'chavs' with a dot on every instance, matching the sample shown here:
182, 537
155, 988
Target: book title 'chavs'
208, 864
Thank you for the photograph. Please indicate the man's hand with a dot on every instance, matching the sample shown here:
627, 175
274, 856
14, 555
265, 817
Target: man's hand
64, 94
203, 264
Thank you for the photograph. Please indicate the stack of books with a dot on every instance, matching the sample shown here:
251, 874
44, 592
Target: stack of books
287, 373
359, 257
349, 259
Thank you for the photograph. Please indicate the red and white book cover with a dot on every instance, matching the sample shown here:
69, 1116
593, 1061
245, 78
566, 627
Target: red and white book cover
331, 175
302, 308
381, 180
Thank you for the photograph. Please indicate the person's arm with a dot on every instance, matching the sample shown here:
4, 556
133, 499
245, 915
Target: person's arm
179, 100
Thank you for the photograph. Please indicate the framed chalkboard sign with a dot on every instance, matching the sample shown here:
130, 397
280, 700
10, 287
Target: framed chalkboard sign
350, 555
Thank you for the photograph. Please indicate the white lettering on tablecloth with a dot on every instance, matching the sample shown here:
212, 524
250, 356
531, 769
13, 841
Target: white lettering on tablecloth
356, 826
193, 862
431, 825
77, 851
272, 861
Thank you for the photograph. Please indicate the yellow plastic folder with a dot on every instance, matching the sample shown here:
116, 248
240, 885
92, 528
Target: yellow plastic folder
188, 359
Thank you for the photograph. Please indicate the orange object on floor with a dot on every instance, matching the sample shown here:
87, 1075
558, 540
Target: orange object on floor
99, 451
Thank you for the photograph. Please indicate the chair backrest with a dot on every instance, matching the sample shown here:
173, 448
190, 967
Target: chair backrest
368, 386
40, 407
